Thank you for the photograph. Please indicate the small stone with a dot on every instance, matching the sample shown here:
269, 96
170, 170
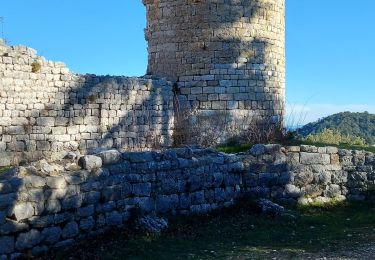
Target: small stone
28, 239
140, 157
114, 219
90, 162
23, 211
51, 235
258, 149
56, 182
270, 208
142, 189
39, 250
87, 223
71, 156
70, 230
110, 157
152, 224
6, 245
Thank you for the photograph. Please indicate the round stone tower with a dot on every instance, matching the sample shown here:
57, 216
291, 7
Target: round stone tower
224, 55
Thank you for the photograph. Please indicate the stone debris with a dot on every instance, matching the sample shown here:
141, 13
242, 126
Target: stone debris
152, 224
270, 208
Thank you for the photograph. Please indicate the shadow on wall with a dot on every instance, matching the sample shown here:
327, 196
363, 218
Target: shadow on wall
50, 111
126, 113
228, 65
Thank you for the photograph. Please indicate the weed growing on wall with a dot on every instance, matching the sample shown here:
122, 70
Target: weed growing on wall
36, 67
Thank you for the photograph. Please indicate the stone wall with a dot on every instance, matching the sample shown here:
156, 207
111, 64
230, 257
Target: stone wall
308, 174
47, 110
48, 205
44, 205
224, 55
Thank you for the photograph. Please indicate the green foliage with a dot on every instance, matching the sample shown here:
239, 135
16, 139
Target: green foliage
234, 148
4, 169
334, 137
347, 123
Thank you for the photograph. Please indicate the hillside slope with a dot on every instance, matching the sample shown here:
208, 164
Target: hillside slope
353, 124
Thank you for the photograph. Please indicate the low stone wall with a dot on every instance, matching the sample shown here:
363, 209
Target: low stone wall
46, 205
306, 174
46, 110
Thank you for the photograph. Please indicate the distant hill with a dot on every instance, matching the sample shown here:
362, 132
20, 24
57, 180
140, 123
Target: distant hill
347, 123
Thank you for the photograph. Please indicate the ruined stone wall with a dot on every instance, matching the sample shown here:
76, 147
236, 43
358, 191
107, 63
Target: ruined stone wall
47, 110
225, 55
51, 205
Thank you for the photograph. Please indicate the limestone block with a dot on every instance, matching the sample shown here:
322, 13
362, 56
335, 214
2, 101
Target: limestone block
45, 121
70, 230
110, 157
73, 202
56, 182
23, 211
90, 162
142, 189
145, 204
6, 244
41, 222
314, 158
28, 240
87, 224
114, 219
165, 203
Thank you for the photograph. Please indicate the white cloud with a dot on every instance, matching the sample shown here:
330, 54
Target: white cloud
300, 114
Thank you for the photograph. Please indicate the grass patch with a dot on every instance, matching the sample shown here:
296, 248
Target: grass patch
4, 169
240, 233
234, 148
246, 147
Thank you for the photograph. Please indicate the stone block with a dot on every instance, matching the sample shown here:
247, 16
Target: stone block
315, 158
165, 203
70, 230
110, 157
23, 211
87, 224
332, 191
91, 197
45, 121
114, 219
41, 222
6, 244
28, 240
146, 205
112, 193
51, 235
90, 162
73, 202
142, 189
140, 157
56, 182
33, 181
86, 211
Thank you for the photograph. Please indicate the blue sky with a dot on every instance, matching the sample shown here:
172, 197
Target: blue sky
330, 46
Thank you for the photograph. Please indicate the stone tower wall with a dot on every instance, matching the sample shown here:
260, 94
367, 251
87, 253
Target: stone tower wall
224, 54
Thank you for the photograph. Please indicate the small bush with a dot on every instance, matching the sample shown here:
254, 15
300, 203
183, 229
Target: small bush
333, 137
35, 67
212, 128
